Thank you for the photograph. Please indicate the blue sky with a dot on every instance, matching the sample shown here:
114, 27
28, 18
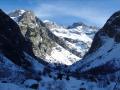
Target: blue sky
91, 12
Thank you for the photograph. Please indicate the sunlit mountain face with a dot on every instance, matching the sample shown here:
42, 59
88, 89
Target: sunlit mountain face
62, 41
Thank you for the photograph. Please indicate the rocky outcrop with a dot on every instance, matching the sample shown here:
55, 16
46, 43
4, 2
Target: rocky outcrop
74, 25
35, 33
44, 37
78, 35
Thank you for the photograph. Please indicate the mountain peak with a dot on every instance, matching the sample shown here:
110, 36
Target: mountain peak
114, 19
50, 24
48, 21
76, 24
17, 13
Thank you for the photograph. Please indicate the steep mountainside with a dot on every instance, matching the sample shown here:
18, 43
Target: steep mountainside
103, 56
20, 70
77, 37
16, 64
12, 43
55, 41
34, 31
42, 40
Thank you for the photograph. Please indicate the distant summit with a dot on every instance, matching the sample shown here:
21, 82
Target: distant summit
17, 13
76, 24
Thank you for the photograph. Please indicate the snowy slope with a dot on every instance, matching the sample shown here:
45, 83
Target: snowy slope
79, 38
103, 57
76, 38
10, 86
75, 84
35, 64
66, 57
104, 52
48, 83
62, 56
17, 14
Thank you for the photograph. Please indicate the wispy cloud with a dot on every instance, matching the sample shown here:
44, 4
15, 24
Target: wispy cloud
48, 10
90, 14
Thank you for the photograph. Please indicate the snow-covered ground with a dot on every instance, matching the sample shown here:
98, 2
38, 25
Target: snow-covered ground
73, 84
50, 83
11, 86
78, 38
36, 65
106, 54
16, 16
61, 55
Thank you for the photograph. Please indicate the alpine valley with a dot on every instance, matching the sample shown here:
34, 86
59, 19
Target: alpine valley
43, 55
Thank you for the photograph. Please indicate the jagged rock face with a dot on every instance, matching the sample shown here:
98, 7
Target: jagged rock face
42, 39
76, 38
17, 13
49, 24
16, 63
36, 33
103, 56
74, 25
75, 41
12, 43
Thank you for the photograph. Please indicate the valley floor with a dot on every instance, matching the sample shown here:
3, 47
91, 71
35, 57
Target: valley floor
48, 83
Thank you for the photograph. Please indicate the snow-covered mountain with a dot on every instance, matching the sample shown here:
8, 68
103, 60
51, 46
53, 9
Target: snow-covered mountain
78, 36
20, 69
17, 61
103, 57
51, 40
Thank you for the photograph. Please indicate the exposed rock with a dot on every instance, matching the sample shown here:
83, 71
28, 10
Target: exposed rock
35, 33
43, 38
